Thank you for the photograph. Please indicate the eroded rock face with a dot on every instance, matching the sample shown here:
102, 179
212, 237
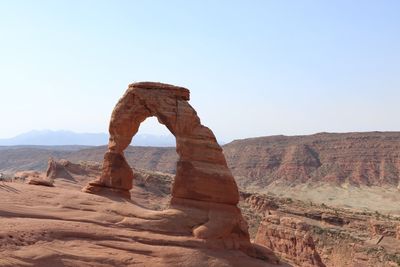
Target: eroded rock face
204, 190
202, 173
33, 178
369, 159
380, 228
289, 237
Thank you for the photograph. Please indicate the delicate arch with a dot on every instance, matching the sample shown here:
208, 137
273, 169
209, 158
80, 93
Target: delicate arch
201, 174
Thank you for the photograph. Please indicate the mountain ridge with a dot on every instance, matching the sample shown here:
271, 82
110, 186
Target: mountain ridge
70, 138
362, 158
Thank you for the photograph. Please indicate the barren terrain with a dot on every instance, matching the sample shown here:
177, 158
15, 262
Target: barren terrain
359, 170
62, 226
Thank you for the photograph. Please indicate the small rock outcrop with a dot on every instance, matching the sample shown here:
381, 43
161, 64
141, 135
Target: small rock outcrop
33, 178
204, 190
380, 228
289, 238
40, 181
64, 169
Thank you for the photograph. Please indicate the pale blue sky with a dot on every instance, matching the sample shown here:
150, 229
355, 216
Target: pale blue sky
253, 67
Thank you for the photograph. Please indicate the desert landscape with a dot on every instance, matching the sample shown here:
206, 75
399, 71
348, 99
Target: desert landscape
199, 133
318, 200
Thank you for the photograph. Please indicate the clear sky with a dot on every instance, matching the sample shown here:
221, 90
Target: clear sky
254, 68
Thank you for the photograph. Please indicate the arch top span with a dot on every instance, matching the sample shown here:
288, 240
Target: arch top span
177, 91
201, 173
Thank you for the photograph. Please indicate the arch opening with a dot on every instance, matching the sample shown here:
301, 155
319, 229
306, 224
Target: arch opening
151, 133
152, 179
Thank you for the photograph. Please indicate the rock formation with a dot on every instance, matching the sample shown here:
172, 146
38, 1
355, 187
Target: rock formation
40, 181
33, 178
67, 170
369, 159
398, 232
289, 237
202, 173
203, 188
380, 228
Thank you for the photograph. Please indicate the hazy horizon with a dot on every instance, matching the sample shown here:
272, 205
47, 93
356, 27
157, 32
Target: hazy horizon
168, 134
265, 68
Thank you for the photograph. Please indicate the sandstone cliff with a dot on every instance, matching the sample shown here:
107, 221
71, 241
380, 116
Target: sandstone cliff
371, 159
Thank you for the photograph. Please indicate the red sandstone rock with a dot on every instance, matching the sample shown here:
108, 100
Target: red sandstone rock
260, 204
40, 181
202, 173
203, 189
34, 178
381, 228
72, 173
289, 238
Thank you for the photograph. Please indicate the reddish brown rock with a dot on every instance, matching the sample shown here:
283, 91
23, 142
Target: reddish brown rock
259, 203
204, 190
33, 178
72, 173
398, 232
40, 181
381, 228
370, 159
289, 237
202, 173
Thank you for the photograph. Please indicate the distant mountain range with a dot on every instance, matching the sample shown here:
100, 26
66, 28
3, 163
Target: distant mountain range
67, 138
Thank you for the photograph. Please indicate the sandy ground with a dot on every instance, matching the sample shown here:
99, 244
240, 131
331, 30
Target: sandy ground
61, 226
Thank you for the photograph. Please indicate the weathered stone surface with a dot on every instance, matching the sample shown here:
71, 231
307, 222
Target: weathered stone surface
289, 237
204, 190
40, 181
202, 173
33, 178
381, 228
61, 226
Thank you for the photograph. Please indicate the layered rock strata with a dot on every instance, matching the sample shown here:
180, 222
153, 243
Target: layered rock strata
202, 173
203, 184
289, 238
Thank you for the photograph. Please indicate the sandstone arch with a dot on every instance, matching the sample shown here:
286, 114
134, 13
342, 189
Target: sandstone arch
202, 173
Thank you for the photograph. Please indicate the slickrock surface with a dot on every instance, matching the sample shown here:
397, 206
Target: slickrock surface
62, 226
203, 188
289, 238
59, 226
342, 237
